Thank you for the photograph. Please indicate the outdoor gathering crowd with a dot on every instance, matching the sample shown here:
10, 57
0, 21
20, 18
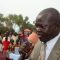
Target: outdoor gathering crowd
42, 45
15, 46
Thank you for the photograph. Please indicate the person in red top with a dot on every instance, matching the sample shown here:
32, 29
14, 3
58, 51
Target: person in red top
6, 44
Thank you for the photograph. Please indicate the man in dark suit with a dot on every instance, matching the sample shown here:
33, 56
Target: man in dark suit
48, 28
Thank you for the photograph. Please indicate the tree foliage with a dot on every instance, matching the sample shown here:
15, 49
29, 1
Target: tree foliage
7, 22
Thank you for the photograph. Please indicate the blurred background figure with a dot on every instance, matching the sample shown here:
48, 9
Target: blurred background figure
6, 44
33, 38
27, 32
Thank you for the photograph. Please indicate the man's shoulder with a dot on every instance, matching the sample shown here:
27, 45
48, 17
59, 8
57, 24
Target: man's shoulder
37, 46
39, 43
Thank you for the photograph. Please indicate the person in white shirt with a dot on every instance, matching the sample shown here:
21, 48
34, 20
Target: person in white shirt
48, 29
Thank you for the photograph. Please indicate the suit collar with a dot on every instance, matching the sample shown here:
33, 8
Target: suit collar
54, 55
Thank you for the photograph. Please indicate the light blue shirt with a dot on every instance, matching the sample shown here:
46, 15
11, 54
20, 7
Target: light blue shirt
14, 56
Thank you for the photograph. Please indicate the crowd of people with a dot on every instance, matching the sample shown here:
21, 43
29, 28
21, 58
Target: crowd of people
13, 43
42, 45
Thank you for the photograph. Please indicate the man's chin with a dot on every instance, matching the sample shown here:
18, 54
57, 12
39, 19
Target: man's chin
41, 38
44, 40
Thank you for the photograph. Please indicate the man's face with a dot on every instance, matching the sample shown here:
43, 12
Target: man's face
45, 28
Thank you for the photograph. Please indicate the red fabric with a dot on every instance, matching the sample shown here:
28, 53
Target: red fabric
6, 45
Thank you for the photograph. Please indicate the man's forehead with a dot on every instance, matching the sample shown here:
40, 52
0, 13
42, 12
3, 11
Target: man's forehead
38, 19
43, 20
39, 16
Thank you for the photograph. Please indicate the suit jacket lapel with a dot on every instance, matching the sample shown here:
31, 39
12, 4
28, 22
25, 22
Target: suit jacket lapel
36, 51
55, 53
